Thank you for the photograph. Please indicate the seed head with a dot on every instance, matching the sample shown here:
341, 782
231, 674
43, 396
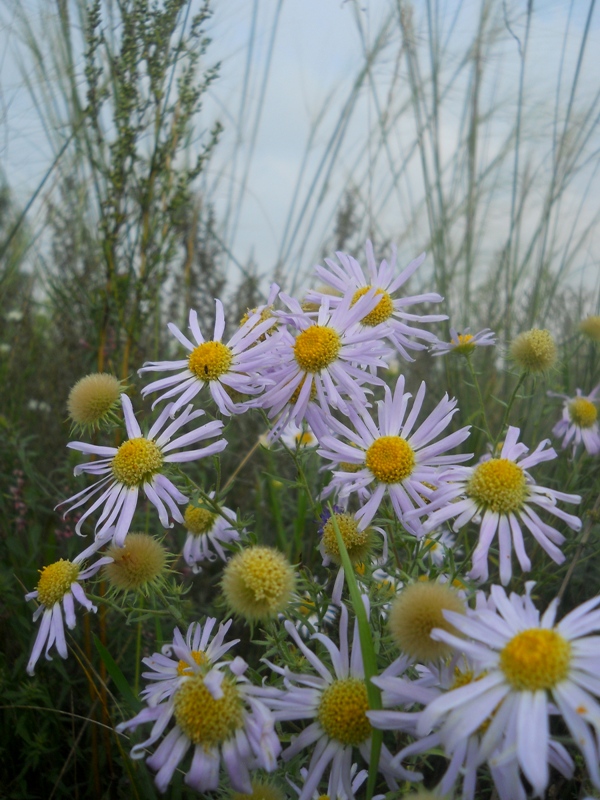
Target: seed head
590, 327
416, 611
534, 351
258, 583
138, 565
92, 399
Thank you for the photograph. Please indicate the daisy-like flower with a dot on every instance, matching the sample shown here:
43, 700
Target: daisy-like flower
389, 311
394, 458
579, 423
181, 657
226, 368
436, 546
463, 344
137, 465
502, 492
338, 704
215, 714
530, 667
433, 682
298, 437
357, 778
321, 361
58, 588
207, 532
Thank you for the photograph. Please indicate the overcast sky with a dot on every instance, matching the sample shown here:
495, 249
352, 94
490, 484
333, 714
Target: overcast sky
318, 52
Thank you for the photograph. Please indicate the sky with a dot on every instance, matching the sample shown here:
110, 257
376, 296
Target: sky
278, 176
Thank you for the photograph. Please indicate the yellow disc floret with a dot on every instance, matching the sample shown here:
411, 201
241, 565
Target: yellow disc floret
391, 459
258, 582
199, 520
200, 658
260, 791
136, 461
464, 345
55, 581
590, 327
582, 412
498, 484
416, 611
382, 311
358, 543
537, 658
342, 710
316, 348
534, 350
140, 561
204, 720
210, 360
92, 397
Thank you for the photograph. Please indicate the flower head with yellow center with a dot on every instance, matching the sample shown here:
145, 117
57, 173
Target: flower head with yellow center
463, 344
324, 361
336, 701
530, 667
579, 422
214, 711
231, 369
502, 494
394, 457
58, 587
349, 277
207, 533
137, 466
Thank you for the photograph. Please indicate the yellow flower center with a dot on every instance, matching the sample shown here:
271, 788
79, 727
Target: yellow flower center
391, 459
140, 561
464, 345
582, 412
316, 348
342, 711
305, 439
258, 582
203, 719
55, 581
358, 543
210, 360
535, 659
498, 484
199, 656
382, 311
198, 520
296, 393
136, 461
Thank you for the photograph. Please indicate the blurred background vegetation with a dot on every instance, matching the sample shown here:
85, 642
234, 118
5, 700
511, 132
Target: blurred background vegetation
449, 134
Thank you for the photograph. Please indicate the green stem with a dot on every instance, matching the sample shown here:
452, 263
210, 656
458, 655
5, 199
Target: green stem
508, 409
367, 650
480, 397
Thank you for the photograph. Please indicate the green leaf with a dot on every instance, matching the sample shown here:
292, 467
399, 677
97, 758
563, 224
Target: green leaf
115, 673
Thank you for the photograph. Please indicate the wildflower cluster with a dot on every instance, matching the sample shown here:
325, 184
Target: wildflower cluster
384, 650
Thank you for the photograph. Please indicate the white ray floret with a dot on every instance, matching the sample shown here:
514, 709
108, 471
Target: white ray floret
225, 367
390, 309
137, 465
502, 494
395, 458
532, 667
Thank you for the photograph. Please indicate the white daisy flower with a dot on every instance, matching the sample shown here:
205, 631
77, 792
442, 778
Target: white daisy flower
327, 360
137, 465
579, 423
394, 458
464, 343
298, 437
532, 666
465, 757
224, 367
502, 492
58, 587
389, 310
357, 778
181, 657
436, 546
338, 704
215, 714
207, 532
